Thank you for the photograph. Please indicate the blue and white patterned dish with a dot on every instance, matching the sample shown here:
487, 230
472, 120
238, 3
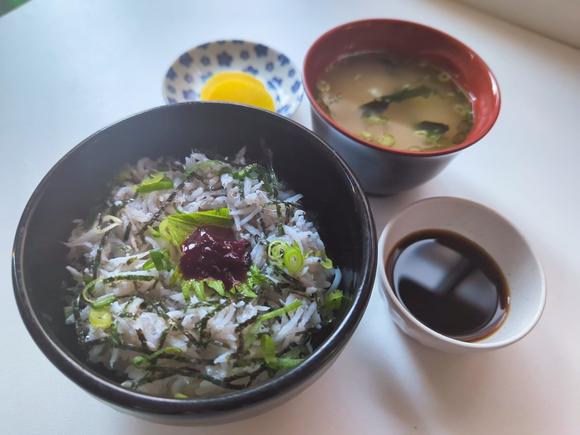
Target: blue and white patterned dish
188, 74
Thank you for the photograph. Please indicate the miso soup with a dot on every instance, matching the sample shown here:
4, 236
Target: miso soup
405, 104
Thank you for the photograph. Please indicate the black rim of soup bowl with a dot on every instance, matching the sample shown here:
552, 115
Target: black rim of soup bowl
207, 409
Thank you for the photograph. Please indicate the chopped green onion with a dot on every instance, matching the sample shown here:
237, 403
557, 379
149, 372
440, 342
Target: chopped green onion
252, 170
285, 255
287, 309
293, 260
87, 290
387, 140
177, 227
268, 350
104, 301
181, 396
374, 119
276, 249
172, 350
366, 135
140, 360
268, 347
100, 318
333, 300
154, 183
327, 263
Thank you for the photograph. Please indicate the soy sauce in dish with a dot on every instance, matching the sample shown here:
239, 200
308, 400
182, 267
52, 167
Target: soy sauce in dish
449, 284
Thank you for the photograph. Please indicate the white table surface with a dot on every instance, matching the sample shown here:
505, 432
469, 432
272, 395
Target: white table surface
68, 68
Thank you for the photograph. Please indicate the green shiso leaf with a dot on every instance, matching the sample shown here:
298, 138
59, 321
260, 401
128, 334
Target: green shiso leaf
255, 277
176, 228
216, 285
244, 289
194, 286
154, 183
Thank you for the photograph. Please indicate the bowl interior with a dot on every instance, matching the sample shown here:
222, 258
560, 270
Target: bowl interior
412, 40
498, 238
187, 75
80, 182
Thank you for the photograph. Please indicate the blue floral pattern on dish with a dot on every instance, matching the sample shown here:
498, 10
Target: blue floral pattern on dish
171, 74
188, 94
186, 77
186, 60
250, 69
261, 50
224, 59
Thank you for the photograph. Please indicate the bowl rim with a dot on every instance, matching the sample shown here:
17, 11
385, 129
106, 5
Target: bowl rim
107, 390
389, 292
298, 97
310, 54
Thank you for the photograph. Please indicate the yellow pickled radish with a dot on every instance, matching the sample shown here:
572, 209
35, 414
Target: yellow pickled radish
237, 87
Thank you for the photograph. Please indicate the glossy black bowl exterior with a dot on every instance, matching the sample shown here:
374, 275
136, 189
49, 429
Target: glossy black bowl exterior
380, 172
81, 180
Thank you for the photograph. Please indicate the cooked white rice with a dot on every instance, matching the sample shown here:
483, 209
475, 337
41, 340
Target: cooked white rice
163, 341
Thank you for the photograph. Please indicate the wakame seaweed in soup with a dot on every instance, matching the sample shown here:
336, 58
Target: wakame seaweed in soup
395, 102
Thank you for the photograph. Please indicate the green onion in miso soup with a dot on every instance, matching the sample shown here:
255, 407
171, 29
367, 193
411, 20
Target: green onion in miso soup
396, 103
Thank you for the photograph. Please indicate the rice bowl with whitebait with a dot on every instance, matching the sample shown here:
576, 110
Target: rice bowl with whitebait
199, 278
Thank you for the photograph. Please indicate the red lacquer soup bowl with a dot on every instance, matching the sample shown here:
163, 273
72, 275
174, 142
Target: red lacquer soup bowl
383, 171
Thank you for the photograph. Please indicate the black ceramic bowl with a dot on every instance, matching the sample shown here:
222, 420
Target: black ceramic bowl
81, 181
